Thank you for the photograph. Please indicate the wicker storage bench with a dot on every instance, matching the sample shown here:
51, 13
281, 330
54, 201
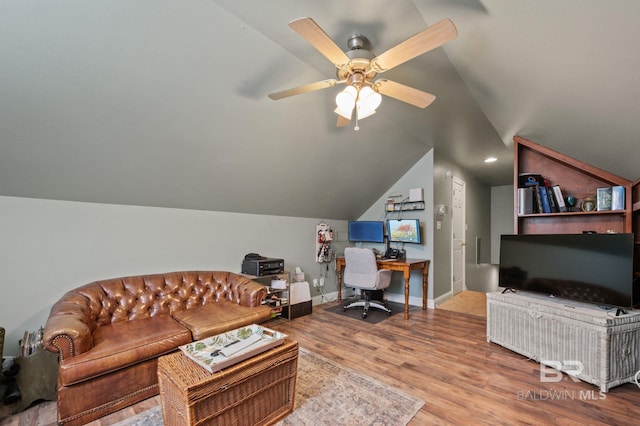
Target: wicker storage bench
258, 391
563, 332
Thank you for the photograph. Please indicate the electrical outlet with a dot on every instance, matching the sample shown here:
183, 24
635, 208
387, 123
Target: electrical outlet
315, 283
321, 281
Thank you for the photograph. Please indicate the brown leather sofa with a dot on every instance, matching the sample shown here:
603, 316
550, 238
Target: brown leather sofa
109, 334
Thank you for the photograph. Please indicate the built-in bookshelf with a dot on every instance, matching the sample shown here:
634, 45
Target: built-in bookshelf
635, 206
575, 178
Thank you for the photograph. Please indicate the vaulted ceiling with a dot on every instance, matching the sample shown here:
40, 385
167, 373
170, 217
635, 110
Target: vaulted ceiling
164, 103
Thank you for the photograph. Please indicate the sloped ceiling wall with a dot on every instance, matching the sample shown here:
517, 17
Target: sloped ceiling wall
163, 103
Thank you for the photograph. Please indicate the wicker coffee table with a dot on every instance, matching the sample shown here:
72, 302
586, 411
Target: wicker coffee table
257, 391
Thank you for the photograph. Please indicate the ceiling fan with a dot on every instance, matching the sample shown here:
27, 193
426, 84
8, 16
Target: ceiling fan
358, 67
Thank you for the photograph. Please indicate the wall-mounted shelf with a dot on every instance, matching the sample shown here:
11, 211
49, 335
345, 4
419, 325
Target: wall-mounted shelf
576, 213
576, 178
406, 206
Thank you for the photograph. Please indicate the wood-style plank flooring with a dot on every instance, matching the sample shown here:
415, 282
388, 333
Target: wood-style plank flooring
471, 302
443, 358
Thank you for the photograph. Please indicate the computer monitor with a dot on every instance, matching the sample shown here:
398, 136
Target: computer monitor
368, 231
404, 231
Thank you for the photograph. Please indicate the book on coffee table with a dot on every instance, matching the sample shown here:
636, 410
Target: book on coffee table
217, 352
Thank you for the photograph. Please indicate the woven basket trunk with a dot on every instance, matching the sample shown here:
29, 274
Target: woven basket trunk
564, 331
258, 391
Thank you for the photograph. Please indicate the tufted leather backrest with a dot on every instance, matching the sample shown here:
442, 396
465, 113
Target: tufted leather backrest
122, 299
74, 318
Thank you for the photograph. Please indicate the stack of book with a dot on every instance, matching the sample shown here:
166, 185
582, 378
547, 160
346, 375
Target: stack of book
31, 341
537, 195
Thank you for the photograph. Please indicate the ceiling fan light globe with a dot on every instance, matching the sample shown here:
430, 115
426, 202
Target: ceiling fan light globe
369, 99
364, 113
346, 99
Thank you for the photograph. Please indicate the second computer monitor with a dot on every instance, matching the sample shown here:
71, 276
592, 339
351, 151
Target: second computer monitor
404, 231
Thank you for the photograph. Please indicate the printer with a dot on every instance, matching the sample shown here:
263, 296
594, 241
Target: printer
254, 264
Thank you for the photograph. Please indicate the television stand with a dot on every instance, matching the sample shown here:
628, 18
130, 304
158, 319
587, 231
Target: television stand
556, 331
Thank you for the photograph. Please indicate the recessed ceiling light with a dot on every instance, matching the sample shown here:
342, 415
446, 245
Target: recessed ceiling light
490, 160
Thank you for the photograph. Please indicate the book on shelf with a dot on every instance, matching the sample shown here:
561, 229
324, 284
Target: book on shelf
562, 207
617, 198
552, 198
529, 179
544, 199
537, 201
525, 200
603, 198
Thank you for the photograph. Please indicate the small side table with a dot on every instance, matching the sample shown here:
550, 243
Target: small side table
279, 306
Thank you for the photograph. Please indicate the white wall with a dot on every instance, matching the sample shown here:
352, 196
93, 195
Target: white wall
501, 217
419, 176
478, 224
48, 247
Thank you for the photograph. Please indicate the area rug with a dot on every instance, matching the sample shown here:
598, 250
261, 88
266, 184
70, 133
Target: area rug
374, 316
329, 394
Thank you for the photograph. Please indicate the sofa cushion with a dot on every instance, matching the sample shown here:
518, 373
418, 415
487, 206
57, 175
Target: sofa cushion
122, 344
215, 318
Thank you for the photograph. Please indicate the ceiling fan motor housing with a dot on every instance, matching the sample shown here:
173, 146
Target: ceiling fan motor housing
358, 71
357, 41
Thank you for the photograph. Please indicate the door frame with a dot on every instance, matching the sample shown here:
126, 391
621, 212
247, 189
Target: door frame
457, 182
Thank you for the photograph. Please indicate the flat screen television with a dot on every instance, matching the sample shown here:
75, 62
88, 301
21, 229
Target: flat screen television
367, 231
594, 268
404, 231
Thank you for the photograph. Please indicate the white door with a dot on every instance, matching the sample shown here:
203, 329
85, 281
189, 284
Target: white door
458, 228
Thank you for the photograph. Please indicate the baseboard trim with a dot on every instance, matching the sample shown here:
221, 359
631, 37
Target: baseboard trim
441, 299
392, 297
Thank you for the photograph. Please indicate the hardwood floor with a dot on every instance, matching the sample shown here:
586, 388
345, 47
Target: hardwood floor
470, 302
443, 358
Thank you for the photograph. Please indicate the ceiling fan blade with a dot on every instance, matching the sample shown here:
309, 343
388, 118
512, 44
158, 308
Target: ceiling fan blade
426, 40
316, 36
318, 85
342, 121
404, 93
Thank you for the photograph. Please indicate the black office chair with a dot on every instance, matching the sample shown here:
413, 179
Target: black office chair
361, 272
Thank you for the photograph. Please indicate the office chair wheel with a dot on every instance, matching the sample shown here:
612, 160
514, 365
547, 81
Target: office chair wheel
364, 315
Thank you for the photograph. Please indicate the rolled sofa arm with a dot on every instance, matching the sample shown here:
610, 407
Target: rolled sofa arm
68, 331
249, 292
